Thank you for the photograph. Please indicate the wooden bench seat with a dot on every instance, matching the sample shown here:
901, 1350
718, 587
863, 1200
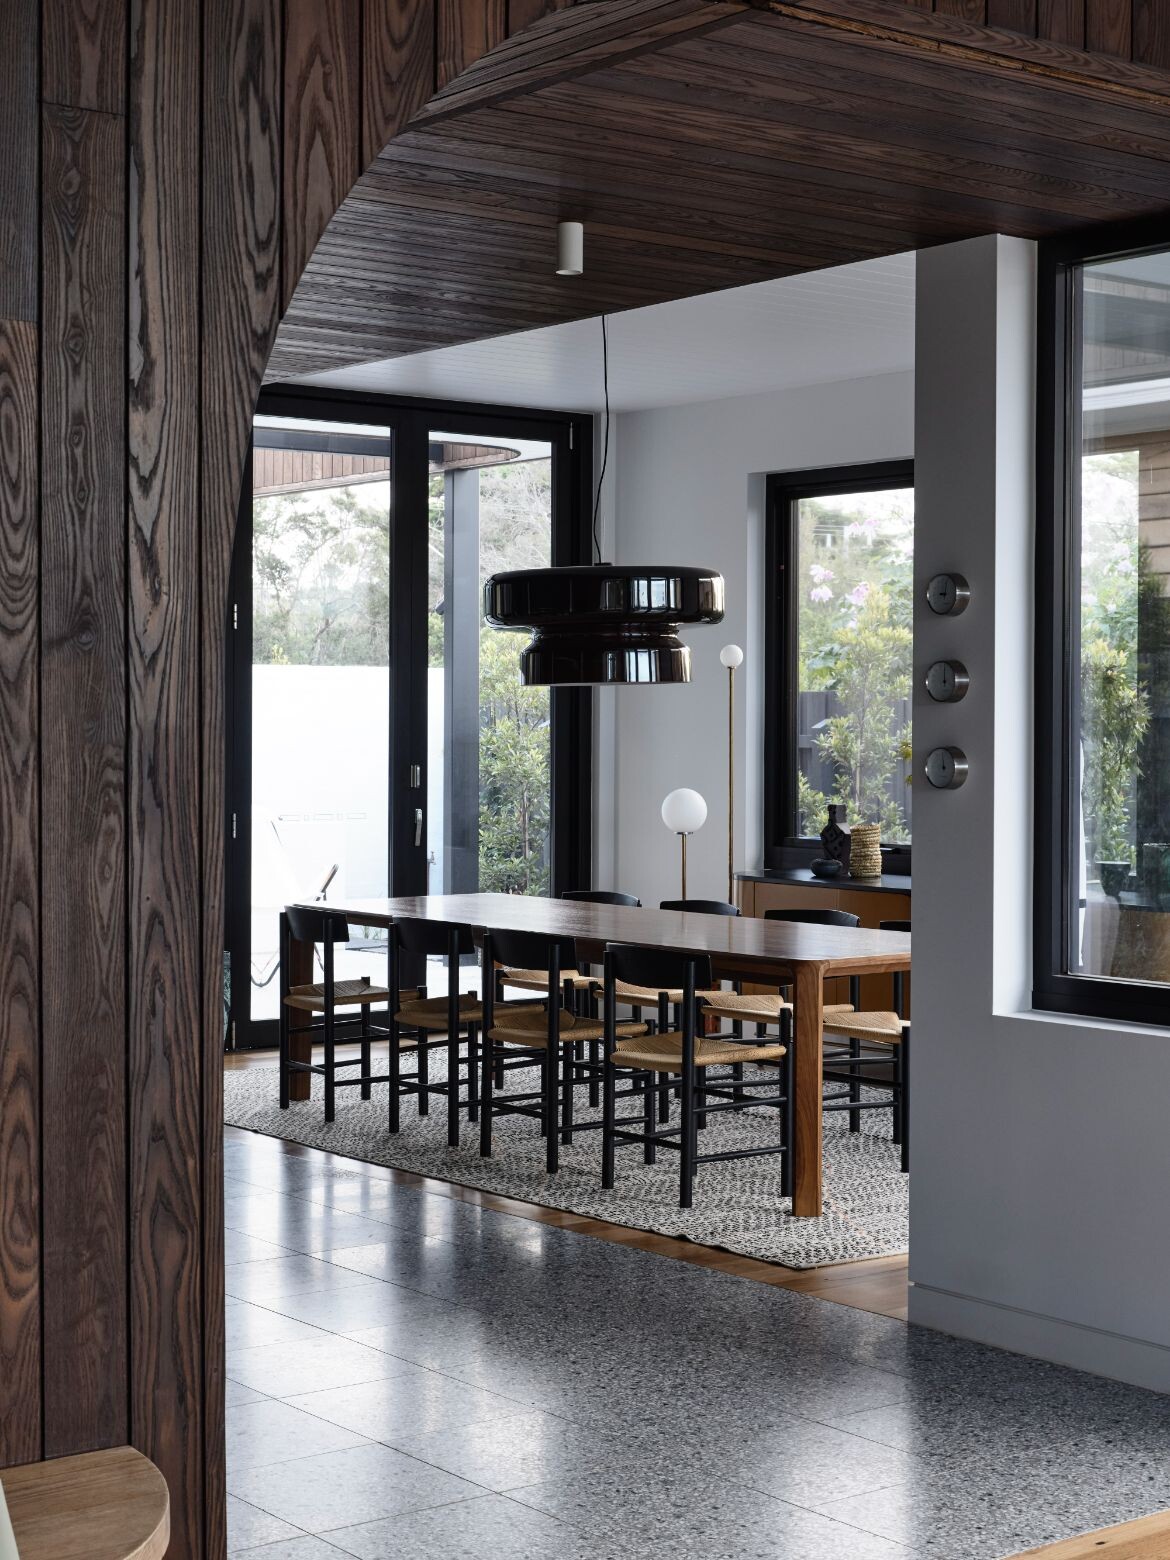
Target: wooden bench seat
111, 1505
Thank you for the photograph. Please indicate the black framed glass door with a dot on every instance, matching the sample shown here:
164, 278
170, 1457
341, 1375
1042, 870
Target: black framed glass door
380, 741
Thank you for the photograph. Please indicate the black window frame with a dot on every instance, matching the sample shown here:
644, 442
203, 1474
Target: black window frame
1058, 450
411, 419
784, 849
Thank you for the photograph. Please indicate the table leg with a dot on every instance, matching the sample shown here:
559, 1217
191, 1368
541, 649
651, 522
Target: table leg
300, 1047
808, 997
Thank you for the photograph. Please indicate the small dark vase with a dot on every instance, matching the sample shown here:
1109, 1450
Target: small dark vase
1114, 876
835, 836
826, 867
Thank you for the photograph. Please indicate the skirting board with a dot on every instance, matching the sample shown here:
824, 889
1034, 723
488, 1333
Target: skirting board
1093, 1349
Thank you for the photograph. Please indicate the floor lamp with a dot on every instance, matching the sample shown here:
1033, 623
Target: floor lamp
731, 656
684, 811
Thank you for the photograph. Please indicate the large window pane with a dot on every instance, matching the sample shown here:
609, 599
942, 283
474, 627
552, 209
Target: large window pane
489, 738
854, 557
320, 683
1119, 682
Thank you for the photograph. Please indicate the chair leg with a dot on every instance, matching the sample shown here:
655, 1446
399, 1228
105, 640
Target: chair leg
594, 1081
367, 1068
568, 1083
855, 1085
649, 1093
789, 1123
453, 1090
608, 1111
737, 1073
904, 1096
394, 1068
424, 1074
283, 1031
485, 1101
330, 1062
473, 1043
687, 1156
552, 1138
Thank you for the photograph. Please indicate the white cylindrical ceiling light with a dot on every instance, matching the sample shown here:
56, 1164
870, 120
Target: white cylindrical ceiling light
570, 248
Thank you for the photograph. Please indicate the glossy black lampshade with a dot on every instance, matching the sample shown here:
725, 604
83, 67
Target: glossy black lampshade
605, 623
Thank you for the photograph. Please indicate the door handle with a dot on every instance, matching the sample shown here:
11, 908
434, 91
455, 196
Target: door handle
418, 825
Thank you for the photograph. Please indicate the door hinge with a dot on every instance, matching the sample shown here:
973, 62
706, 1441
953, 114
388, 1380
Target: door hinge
235, 614
233, 826
572, 434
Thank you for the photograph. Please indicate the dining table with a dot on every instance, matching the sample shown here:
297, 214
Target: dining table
746, 948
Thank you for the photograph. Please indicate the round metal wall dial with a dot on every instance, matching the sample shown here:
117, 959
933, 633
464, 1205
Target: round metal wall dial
947, 682
946, 768
948, 595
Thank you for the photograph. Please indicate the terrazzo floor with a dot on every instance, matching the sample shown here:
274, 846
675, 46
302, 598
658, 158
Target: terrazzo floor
415, 1378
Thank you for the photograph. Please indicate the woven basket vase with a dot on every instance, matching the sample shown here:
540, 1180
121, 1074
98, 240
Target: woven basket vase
865, 856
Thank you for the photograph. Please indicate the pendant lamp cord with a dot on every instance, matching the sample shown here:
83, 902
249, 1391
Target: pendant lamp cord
605, 441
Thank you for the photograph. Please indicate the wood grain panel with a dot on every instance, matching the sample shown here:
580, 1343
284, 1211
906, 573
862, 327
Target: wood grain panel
969, 10
164, 996
1109, 27
83, 694
83, 53
524, 13
1018, 15
465, 31
1151, 33
239, 308
19, 115
398, 68
321, 129
1063, 21
20, 1244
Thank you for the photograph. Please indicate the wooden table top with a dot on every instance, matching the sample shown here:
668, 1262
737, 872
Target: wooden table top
732, 941
111, 1505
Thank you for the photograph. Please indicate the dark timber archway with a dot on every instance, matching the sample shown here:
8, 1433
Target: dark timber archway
169, 170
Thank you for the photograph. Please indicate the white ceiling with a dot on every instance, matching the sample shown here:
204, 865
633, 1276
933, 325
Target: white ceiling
844, 323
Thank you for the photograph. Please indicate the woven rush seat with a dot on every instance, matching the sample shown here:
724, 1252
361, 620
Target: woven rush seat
529, 1027
663, 1053
643, 996
431, 1012
311, 999
537, 980
887, 1028
758, 1007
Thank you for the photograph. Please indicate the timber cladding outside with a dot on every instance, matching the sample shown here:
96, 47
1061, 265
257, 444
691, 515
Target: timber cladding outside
167, 168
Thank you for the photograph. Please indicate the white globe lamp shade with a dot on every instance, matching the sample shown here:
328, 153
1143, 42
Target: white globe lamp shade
684, 811
731, 656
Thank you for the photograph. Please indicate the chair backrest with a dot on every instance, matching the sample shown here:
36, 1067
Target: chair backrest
814, 917
531, 951
602, 896
894, 926
430, 939
659, 969
316, 926
700, 906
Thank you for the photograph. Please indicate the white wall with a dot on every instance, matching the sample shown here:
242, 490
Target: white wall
1040, 1219
688, 487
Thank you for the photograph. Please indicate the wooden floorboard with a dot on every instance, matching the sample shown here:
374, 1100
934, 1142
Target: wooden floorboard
880, 1284
1146, 1539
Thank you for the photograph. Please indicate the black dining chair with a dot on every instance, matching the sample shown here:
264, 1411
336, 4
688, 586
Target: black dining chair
521, 1035
876, 1053
700, 906
418, 1019
689, 1055
325, 929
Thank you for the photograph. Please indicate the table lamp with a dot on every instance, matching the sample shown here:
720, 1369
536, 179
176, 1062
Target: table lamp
684, 811
731, 656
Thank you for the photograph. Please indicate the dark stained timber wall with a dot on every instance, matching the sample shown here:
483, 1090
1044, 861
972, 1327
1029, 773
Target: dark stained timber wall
171, 173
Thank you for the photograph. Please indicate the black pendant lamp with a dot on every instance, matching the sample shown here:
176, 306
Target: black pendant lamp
604, 623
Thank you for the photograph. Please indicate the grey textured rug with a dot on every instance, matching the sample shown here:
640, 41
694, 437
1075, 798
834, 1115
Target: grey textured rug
738, 1206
